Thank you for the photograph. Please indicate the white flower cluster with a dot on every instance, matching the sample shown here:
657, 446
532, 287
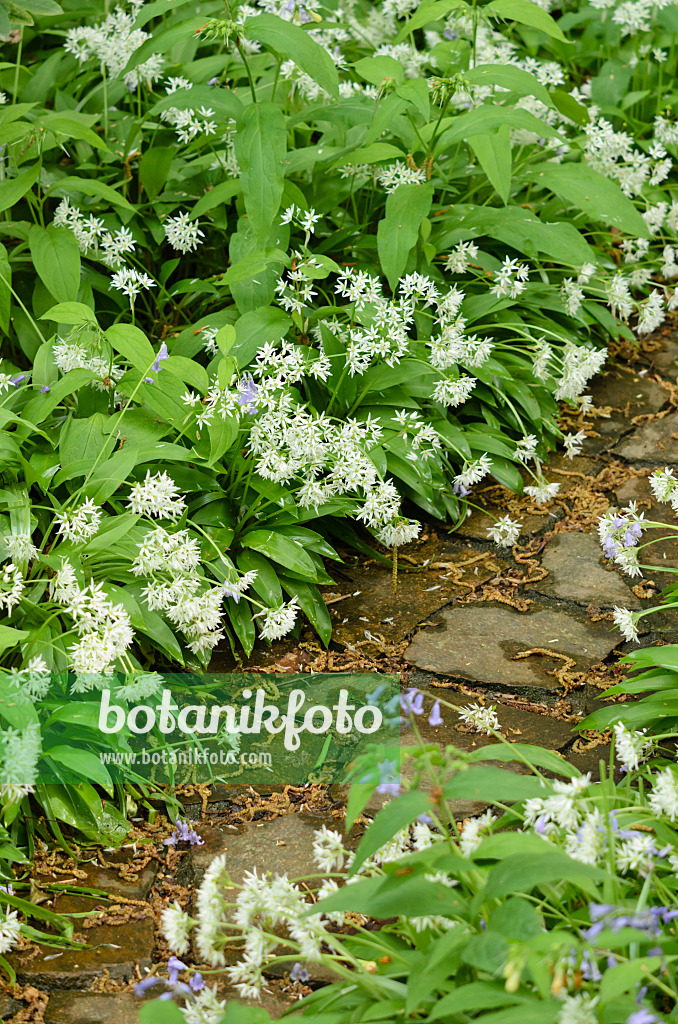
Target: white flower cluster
79, 524
19, 754
268, 902
156, 496
188, 122
11, 586
105, 627
111, 43
32, 681
182, 233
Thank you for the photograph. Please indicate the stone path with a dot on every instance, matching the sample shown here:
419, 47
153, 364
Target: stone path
529, 631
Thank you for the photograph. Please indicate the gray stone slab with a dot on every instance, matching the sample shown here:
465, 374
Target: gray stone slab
654, 443
478, 642
625, 395
577, 572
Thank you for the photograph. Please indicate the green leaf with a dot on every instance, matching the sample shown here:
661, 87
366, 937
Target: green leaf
133, 345
73, 126
220, 195
156, 1011
10, 637
295, 44
154, 167
479, 995
5, 289
312, 605
526, 13
109, 475
428, 12
485, 782
84, 763
260, 147
600, 198
42, 7
280, 549
494, 156
56, 258
415, 91
397, 233
377, 69
520, 874
70, 313
390, 819
523, 231
257, 328
519, 751
622, 978
13, 189
507, 76
72, 185
223, 432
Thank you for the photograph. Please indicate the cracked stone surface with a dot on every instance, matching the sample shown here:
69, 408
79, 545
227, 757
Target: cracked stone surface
119, 949
373, 606
655, 442
577, 572
625, 395
123, 1007
477, 643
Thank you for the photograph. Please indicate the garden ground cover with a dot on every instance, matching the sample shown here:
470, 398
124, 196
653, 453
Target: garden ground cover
556, 570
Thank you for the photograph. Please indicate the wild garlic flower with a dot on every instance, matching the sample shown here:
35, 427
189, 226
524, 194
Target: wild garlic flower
663, 799
20, 547
626, 621
161, 551
652, 313
328, 850
11, 586
471, 836
573, 443
182, 233
79, 524
156, 496
579, 365
631, 748
277, 622
176, 926
19, 754
141, 685
10, 929
399, 173
665, 486
131, 282
542, 491
480, 719
505, 532
510, 279
453, 393
33, 680
460, 257
578, 1009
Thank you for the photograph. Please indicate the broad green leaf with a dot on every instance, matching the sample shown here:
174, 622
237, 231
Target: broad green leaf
223, 432
377, 69
397, 233
600, 198
70, 313
40, 407
427, 12
133, 345
10, 637
479, 995
508, 76
5, 289
626, 976
312, 605
390, 819
84, 439
13, 189
154, 167
110, 474
294, 43
520, 874
83, 763
280, 549
494, 156
257, 328
260, 147
73, 126
526, 13
56, 258
220, 195
522, 230
485, 782
538, 756
415, 91
266, 584
73, 185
